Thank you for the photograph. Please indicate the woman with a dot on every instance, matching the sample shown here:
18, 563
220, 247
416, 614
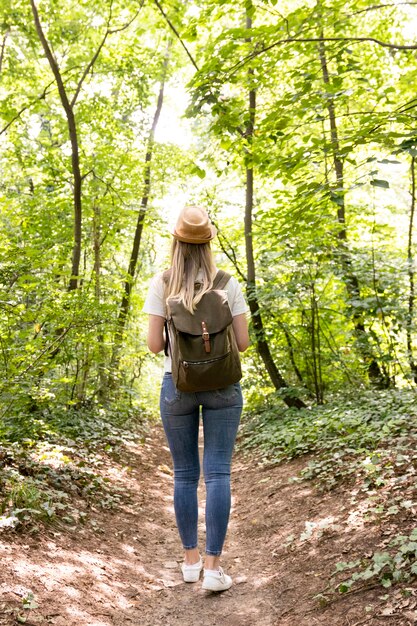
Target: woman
192, 262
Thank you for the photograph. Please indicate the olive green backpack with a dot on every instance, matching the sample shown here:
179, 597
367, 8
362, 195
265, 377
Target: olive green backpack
202, 345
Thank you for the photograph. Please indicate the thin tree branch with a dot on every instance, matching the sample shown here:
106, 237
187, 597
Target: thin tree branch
399, 111
89, 66
52, 61
125, 26
260, 51
108, 32
408, 106
382, 6
178, 36
47, 349
29, 104
3, 47
26, 107
229, 252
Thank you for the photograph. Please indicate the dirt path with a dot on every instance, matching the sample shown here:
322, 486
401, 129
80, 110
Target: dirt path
123, 566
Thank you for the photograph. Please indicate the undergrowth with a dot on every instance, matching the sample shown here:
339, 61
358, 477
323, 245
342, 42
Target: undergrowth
366, 444
397, 563
373, 435
53, 465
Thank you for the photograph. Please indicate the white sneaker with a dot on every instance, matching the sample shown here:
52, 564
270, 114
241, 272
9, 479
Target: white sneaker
216, 580
191, 573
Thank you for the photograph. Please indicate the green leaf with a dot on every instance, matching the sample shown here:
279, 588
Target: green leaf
377, 182
344, 587
198, 171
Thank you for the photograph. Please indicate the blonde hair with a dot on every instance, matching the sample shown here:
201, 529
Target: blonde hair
186, 260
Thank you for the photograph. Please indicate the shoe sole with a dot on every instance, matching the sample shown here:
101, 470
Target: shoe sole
207, 587
192, 579
192, 575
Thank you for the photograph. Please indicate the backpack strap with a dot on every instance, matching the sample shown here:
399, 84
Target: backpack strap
165, 277
221, 280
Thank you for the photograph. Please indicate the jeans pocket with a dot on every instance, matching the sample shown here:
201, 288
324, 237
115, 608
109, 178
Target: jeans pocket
227, 394
170, 393
171, 401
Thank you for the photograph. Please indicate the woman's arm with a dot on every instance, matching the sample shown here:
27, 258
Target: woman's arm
240, 327
156, 340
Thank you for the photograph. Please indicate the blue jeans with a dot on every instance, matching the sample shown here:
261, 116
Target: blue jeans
180, 412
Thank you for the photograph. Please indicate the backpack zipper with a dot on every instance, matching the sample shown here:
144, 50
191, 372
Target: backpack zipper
219, 358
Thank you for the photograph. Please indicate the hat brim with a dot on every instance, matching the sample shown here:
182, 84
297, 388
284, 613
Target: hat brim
178, 237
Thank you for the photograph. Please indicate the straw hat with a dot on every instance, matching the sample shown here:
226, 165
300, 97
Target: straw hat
194, 226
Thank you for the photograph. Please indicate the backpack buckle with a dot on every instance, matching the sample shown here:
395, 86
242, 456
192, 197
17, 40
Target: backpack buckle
206, 337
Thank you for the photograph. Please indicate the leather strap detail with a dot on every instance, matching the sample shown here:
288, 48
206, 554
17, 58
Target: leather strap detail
221, 280
206, 337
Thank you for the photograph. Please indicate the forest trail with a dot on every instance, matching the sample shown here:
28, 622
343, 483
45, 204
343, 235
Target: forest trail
122, 567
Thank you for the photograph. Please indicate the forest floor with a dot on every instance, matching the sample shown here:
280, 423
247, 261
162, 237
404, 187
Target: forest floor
122, 565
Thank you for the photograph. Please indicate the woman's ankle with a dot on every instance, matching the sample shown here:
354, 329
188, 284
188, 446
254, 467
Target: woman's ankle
212, 562
191, 556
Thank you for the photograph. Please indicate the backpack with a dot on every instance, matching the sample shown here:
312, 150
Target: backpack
202, 345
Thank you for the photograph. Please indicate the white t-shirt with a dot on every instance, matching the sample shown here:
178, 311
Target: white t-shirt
154, 303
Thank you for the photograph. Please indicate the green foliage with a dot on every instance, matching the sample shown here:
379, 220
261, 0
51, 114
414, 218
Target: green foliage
332, 153
350, 437
328, 124
59, 346
52, 466
365, 446
398, 564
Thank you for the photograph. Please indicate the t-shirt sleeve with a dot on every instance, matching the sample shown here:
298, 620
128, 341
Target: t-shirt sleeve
235, 297
154, 303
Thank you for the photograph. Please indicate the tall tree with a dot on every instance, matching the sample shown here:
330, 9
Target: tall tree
410, 265
143, 207
261, 343
68, 104
376, 375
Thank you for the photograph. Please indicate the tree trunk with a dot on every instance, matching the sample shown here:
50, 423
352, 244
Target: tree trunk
316, 347
125, 302
261, 342
410, 265
375, 374
102, 379
291, 353
77, 181
75, 158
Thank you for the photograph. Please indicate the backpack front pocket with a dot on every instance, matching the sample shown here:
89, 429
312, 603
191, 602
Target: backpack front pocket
211, 374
